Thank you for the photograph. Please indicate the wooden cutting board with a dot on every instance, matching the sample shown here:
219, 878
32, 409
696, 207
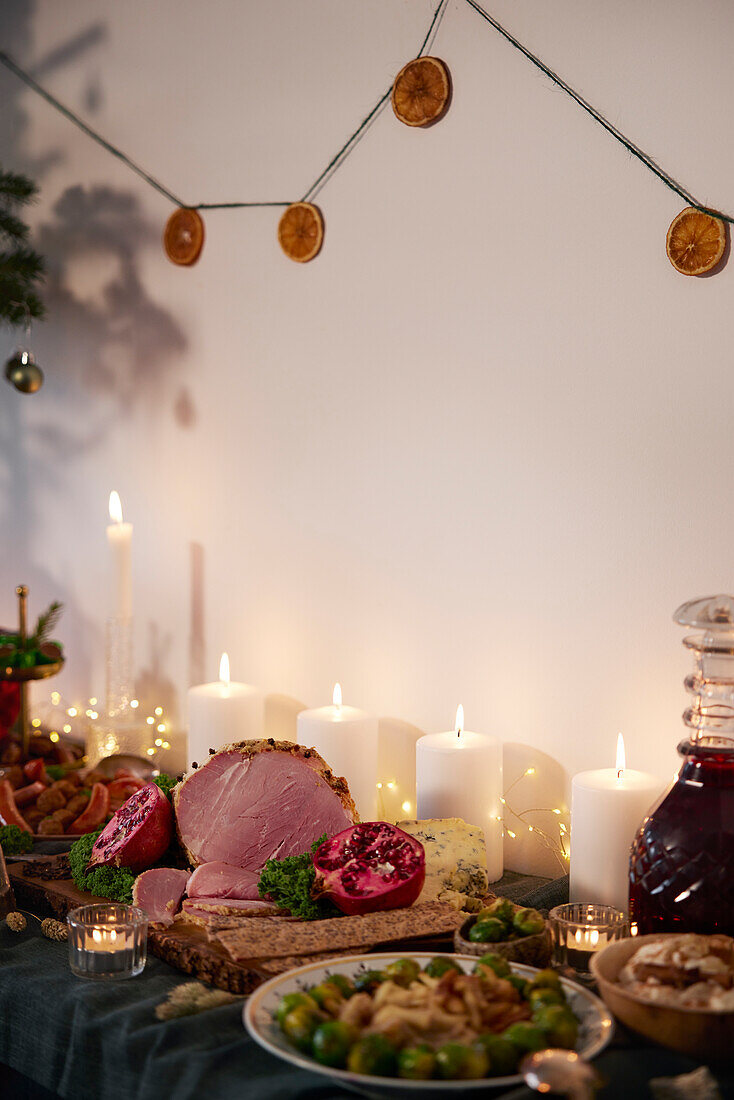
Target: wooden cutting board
186, 947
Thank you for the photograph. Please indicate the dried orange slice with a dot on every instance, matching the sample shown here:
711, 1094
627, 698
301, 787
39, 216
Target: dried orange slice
301, 231
183, 237
421, 91
695, 242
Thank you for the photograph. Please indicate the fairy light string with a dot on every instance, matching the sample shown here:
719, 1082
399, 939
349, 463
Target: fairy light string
559, 846
339, 158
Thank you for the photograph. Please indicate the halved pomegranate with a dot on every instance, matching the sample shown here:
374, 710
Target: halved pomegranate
138, 834
369, 867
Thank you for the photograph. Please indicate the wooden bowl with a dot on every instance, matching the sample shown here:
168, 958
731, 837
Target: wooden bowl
531, 950
702, 1033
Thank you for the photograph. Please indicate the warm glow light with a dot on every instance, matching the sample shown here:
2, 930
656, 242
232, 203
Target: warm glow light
224, 669
150, 721
55, 697
53, 736
406, 807
71, 712
159, 710
161, 727
530, 771
96, 935
510, 833
337, 696
459, 723
36, 722
115, 507
93, 702
67, 729
158, 742
620, 765
134, 703
150, 752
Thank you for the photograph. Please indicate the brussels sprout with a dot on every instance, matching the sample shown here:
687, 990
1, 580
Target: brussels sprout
331, 1043
497, 963
300, 1025
373, 1054
528, 922
503, 1055
289, 1002
488, 931
368, 981
402, 971
540, 997
520, 984
547, 979
438, 966
416, 1063
525, 1036
559, 1024
501, 908
328, 996
345, 986
455, 1061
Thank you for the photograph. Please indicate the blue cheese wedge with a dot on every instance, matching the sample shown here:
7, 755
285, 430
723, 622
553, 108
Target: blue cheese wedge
456, 861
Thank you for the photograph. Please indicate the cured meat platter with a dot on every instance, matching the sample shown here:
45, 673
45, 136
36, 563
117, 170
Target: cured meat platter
200, 952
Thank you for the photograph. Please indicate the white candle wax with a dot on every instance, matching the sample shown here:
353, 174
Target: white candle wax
607, 807
459, 774
120, 538
347, 740
223, 712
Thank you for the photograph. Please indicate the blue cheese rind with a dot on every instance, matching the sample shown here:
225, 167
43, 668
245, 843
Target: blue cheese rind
456, 861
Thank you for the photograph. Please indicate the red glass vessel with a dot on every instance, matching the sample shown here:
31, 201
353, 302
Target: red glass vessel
682, 860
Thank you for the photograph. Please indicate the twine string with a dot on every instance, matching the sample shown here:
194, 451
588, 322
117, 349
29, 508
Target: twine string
629, 145
338, 159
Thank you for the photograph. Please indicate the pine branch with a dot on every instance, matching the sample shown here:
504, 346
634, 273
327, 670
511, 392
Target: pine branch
22, 263
13, 305
16, 189
13, 227
44, 625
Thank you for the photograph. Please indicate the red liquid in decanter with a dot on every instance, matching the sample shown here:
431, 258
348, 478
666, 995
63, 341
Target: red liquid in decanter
682, 862
682, 859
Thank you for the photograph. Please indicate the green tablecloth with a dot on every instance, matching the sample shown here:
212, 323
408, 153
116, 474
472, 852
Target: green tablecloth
89, 1040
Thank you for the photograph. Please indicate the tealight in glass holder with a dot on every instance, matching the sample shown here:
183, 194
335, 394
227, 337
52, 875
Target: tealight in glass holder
578, 931
107, 941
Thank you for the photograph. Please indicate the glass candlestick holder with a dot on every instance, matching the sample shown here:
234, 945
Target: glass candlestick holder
107, 941
578, 931
119, 668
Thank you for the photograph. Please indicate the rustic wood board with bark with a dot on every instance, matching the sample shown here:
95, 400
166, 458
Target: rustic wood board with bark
187, 946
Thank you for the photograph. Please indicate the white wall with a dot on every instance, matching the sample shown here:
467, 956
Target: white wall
477, 451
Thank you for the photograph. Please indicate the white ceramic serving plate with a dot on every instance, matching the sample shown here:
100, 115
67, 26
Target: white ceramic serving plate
596, 1024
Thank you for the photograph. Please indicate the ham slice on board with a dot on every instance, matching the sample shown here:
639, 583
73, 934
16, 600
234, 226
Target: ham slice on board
158, 893
259, 800
205, 910
223, 880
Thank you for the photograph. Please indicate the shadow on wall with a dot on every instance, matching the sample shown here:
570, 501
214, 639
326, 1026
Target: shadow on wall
107, 347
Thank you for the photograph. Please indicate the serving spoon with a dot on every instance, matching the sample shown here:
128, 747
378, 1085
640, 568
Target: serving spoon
560, 1071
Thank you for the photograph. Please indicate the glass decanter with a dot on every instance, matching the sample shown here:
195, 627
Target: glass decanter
682, 860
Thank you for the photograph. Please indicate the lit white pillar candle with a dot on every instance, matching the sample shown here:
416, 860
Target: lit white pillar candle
223, 712
459, 774
120, 538
347, 739
607, 807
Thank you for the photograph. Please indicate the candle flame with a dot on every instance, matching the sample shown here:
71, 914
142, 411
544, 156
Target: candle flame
115, 507
224, 669
337, 696
459, 723
96, 935
621, 761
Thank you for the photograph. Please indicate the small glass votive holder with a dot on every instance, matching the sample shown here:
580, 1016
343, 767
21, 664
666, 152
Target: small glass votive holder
579, 931
107, 941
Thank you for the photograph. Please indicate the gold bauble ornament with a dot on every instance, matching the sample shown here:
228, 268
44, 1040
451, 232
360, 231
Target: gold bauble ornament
22, 371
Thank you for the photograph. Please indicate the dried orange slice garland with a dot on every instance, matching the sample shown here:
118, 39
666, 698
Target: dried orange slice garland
301, 232
183, 237
421, 90
695, 242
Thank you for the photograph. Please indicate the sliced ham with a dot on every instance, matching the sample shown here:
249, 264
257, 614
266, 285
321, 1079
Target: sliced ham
222, 880
158, 893
259, 800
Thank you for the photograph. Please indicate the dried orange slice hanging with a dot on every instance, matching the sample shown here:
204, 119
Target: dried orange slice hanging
183, 237
421, 91
301, 231
695, 242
